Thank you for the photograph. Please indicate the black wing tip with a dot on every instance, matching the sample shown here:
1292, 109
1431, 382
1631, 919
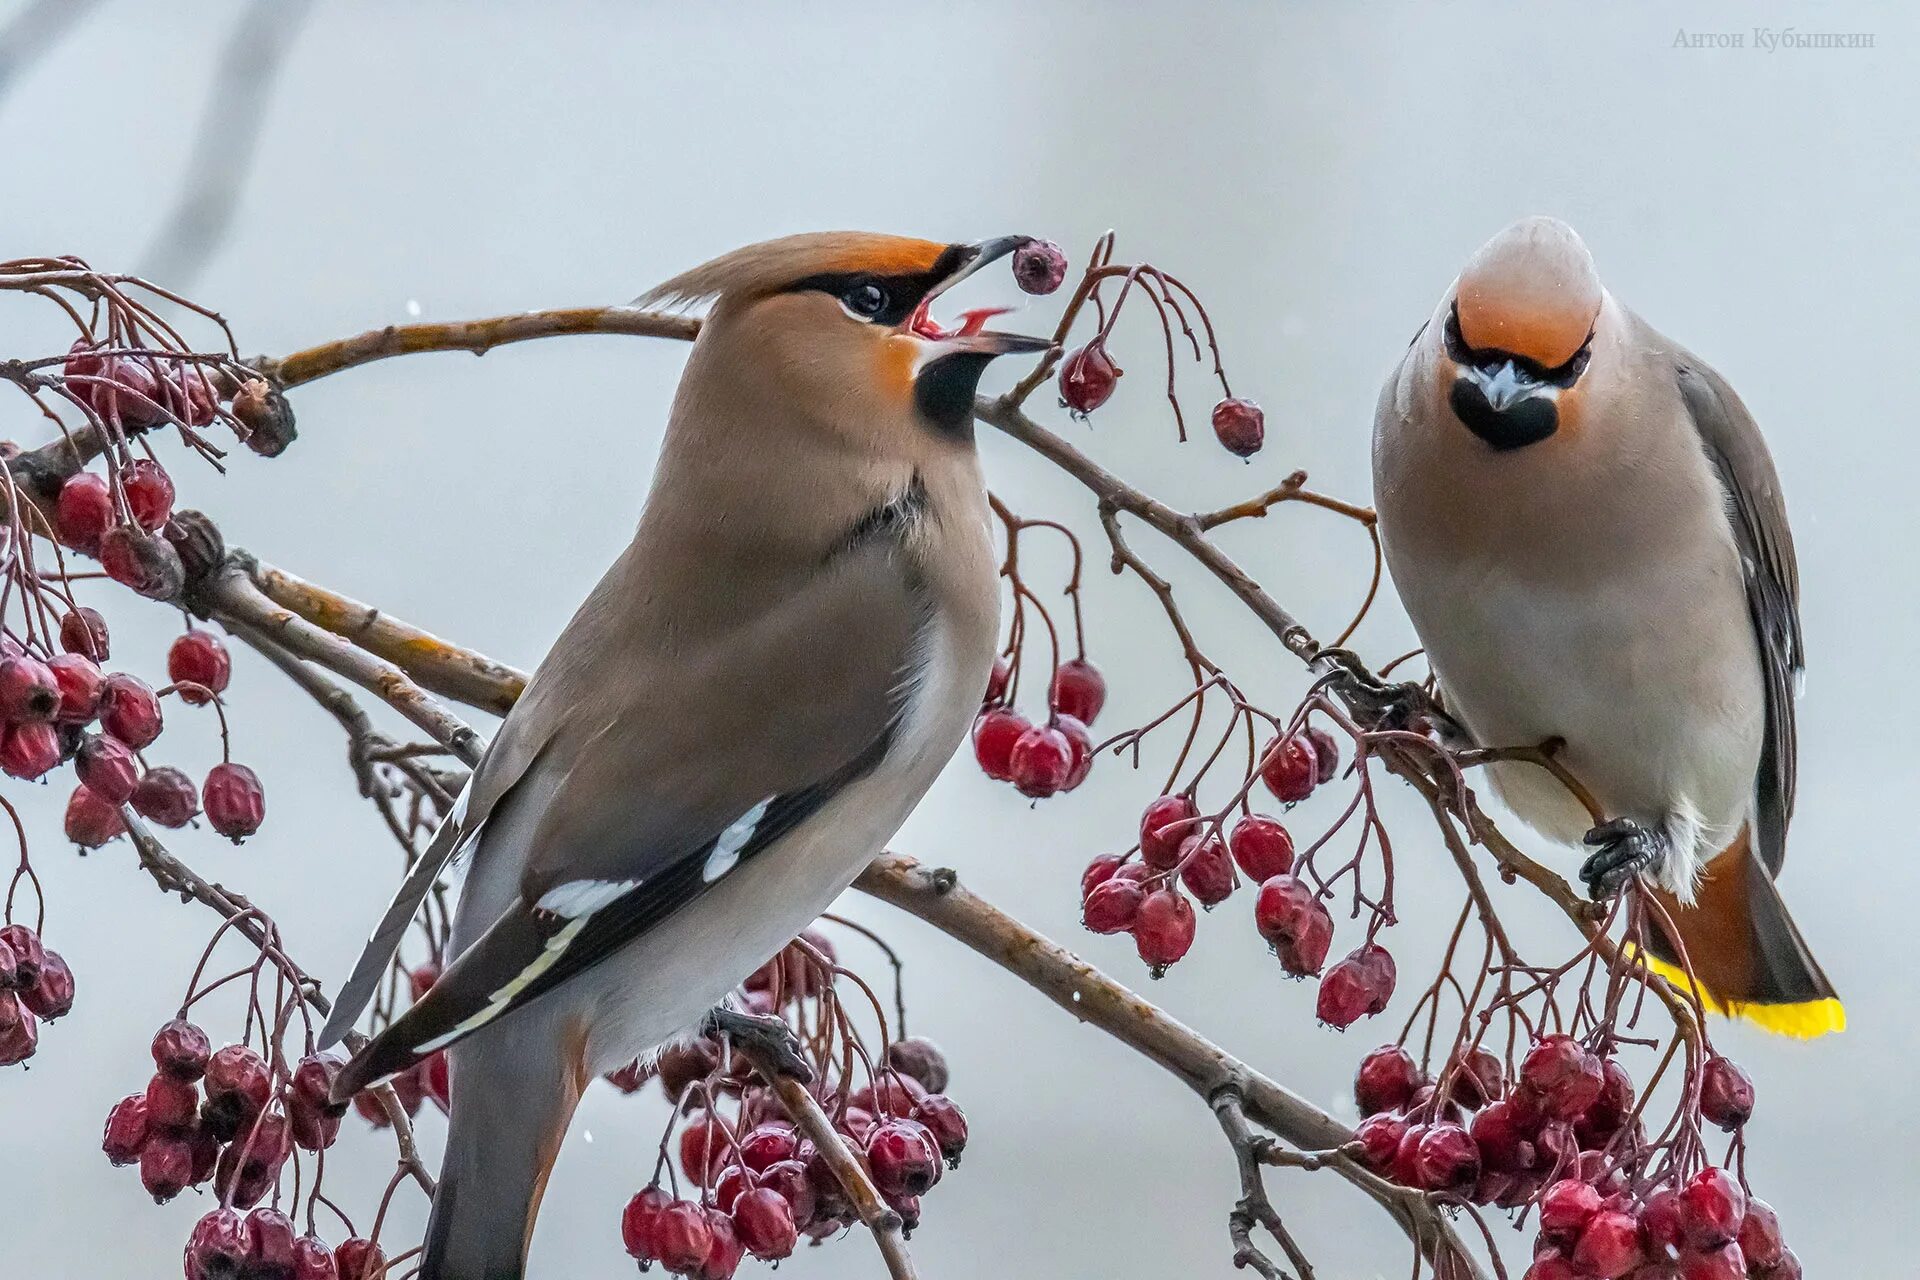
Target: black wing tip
377, 1061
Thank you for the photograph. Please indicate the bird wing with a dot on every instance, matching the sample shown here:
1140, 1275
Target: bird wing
674, 770
1758, 513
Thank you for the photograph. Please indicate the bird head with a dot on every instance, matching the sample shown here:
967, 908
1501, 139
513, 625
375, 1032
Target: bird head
1519, 331
841, 325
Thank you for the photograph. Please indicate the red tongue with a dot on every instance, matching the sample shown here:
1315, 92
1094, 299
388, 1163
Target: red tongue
972, 322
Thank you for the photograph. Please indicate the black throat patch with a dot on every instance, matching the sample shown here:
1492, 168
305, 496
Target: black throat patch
1525, 422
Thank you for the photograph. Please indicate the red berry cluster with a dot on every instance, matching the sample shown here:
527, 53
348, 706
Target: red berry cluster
35, 986
220, 1115
1183, 852
264, 1245
1041, 760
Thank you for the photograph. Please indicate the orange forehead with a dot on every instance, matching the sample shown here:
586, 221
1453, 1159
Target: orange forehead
881, 255
1546, 330
1530, 291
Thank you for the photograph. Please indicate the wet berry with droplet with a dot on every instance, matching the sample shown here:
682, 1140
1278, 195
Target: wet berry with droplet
126, 1130
166, 1167
129, 710
1040, 762
1357, 987
166, 796
1079, 690
1726, 1093
1087, 378
1206, 870
83, 512
84, 631
1164, 827
235, 803
1386, 1080
1163, 929
1446, 1159
1039, 266
994, 734
1289, 916
637, 1221
1112, 906
763, 1220
149, 491
946, 1122
50, 996
1290, 768
903, 1156
198, 657
682, 1236
1262, 847
29, 749
1240, 426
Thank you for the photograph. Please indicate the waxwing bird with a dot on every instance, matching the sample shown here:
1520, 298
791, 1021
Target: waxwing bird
1587, 531
741, 714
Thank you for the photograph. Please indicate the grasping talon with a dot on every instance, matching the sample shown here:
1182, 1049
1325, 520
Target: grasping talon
1388, 705
1623, 849
769, 1036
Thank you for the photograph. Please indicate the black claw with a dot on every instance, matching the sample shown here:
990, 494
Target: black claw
769, 1035
1623, 849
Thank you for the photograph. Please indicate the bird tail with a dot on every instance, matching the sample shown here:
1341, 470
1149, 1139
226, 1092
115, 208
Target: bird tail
511, 1104
1748, 958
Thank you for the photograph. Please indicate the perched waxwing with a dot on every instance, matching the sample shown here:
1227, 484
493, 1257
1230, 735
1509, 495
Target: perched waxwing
741, 714
1587, 531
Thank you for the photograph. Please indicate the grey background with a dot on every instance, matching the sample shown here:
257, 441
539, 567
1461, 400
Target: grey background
1318, 172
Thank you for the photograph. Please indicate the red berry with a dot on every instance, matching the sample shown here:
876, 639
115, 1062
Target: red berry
1477, 1079
1240, 426
28, 689
1039, 266
436, 1080
1163, 929
903, 1156
51, 994
922, 1059
1609, 1247
1503, 1137
358, 1259
637, 1221
1206, 869
235, 804
1357, 987
1262, 847
149, 491
764, 1222
166, 1167
1041, 762
28, 953
218, 1247
1726, 1093
1386, 1080
1164, 827
946, 1122
1724, 1263
724, 1254
1551, 1266
1079, 690
107, 768
1290, 768
1563, 1075
312, 1083
166, 796
29, 749
91, 821
181, 1050
768, 1144
1087, 378
994, 734
238, 1088
1566, 1208
83, 631
793, 1179
270, 1243
1712, 1207
1326, 753
1788, 1268
1099, 871
703, 1149
1760, 1238
312, 1260
1378, 1138
198, 657
80, 684
1610, 1110
1663, 1226
890, 1094
1289, 916
1112, 907
126, 1131
1079, 750
682, 1236
142, 562
84, 511
997, 680
19, 1030
129, 711
1446, 1159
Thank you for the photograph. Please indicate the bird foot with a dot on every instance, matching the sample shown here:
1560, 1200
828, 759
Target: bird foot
769, 1037
1387, 704
1623, 849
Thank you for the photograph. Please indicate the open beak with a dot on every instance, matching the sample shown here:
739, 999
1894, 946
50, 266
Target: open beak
970, 333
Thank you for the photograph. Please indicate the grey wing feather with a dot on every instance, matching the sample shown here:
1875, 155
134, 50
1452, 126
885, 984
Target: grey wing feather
1759, 517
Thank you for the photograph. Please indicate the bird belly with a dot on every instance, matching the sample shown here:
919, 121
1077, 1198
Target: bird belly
663, 983
1650, 676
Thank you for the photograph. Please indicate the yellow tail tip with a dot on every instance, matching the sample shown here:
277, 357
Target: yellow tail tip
1806, 1020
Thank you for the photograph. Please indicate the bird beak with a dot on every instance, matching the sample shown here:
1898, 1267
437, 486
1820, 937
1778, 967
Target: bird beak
1505, 386
970, 334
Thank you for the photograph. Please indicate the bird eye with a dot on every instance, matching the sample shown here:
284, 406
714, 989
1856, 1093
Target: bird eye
865, 299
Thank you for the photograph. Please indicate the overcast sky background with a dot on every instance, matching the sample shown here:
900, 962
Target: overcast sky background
1317, 172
